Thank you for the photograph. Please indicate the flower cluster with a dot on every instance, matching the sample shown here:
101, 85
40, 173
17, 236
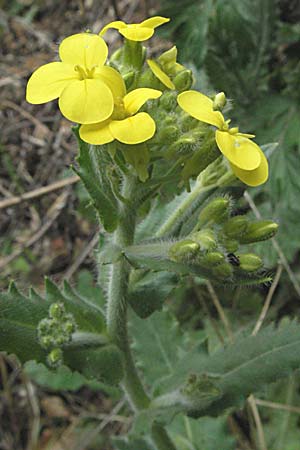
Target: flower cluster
105, 97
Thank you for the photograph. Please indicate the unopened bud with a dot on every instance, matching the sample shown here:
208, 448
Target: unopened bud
211, 259
168, 100
217, 211
184, 250
183, 80
219, 101
169, 56
55, 358
259, 231
231, 245
250, 262
205, 238
223, 271
169, 133
236, 226
57, 310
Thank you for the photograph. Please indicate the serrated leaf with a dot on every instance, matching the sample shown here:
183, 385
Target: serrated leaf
149, 292
94, 166
19, 319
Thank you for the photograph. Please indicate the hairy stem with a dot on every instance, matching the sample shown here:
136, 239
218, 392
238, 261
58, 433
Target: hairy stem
117, 314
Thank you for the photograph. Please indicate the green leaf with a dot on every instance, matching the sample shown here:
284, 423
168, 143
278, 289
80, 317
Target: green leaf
149, 290
131, 444
138, 156
19, 319
201, 434
95, 164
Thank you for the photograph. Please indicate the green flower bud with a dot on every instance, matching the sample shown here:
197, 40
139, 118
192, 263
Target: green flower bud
183, 80
259, 231
168, 101
219, 101
57, 310
169, 133
231, 245
211, 259
236, 226
217, 211
183, 250
205, 238
55, 358
250, 262
168, 56
223, 271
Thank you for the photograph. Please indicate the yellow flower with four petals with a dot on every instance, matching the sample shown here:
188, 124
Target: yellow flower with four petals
136, 31
246, 158
126, 124
85, 87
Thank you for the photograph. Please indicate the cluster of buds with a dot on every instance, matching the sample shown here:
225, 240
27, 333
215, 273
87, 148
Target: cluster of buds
56, 331
215, 242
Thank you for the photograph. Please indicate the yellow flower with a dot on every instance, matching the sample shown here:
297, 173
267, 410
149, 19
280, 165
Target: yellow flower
125, 124
136, 31
84, 86
246, 158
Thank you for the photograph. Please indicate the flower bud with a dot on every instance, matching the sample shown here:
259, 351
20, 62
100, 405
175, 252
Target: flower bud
211, 259
183, 250
217, 211
231, 245
250, 262
219, 101
259, 231
168, 100
169, 133
223, 271
205, 238
55, 358
169, 56
236, 226
57, 310
183, 80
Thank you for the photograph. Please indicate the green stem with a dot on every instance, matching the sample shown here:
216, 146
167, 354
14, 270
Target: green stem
117, 314
198, 193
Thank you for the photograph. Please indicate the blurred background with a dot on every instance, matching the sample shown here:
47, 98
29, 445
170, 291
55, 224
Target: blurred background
249, 49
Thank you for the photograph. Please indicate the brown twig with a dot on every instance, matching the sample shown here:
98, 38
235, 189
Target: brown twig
220, 310
12, 201
268, 300
279, 406
51, 216
85, 252
260, 431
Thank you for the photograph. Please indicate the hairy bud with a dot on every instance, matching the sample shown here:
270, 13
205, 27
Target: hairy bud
205, 238
250, 262
236, 226
183, 80
184, 250
259, 231
223, 271
217, 211
219, 101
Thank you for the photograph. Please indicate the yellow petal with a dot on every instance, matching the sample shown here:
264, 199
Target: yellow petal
134, 32
240, 151
154, 22
112, 79
253, 177
86, 101
83, 49
117, 24
135, 99
133, 130
162, 76
201, 107
96, 133
48, 82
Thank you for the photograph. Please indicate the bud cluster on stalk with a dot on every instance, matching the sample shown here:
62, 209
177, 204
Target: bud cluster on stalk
56, 331
215, 243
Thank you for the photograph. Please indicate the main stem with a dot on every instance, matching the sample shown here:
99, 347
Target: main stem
117, 314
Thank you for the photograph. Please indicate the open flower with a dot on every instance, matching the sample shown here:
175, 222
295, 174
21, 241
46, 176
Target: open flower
246, 158
136, 31
126, 124
84, 86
